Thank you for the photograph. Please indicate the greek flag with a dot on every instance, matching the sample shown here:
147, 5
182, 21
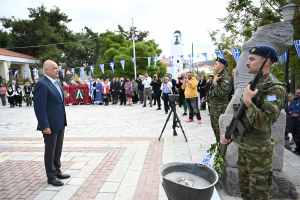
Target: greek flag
63, 71
236, 54
91, 93
164, 58
191, 56
35, 73
285, 55
25, 74
112, 65
155, 62
133, 60
92, 69
123, 64
181, 56
81, 71
171, 60
220, 53
15, 74
205, 56
73, 71
7, 73
297, 46
149, 61
281, 59
102, 68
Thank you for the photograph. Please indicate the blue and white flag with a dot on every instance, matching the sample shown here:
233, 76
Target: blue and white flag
236, 54
25, 74
297, 46
205, 56
73, 71
220, 53
81, 71
181, 56
191, 56
15, 74
35, 74
164, 58
133, 60
102, 68
155, 62
281, 59
112, 65
63, 71
149, 62
91, 93
92, 69
285, 55
7, 73
123, 64
171, 60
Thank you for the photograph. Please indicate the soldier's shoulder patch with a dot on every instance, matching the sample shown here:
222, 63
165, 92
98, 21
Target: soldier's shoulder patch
226, 81
271, 98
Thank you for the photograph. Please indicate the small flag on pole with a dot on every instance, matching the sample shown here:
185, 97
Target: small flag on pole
102, 68
236, 54
149, 61
155, 62
16, 72
123, 64
92, 69
112, 65
220, 53
91, 92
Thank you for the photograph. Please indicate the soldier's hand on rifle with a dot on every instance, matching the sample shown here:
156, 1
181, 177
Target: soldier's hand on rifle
216, 78
248, 94
224, 140
203, 99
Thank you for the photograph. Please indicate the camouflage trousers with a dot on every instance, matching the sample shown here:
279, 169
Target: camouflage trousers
255, 170
215, 111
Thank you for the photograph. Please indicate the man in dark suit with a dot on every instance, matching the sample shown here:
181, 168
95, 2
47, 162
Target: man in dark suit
173, 81
14, 87
49, 107
122, 92
156, 83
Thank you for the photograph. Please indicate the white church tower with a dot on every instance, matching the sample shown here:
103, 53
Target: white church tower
177, 51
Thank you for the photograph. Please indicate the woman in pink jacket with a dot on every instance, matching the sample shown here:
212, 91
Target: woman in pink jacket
128, 89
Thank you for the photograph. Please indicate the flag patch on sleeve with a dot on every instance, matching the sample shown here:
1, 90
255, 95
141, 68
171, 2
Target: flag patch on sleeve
271, 98
226, 81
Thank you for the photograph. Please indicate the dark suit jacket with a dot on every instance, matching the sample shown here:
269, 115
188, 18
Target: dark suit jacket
156, 86
25, 88
122, 87
173, 84
49, 107
10, 85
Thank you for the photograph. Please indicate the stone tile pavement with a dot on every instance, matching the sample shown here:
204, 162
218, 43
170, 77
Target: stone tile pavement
111, 152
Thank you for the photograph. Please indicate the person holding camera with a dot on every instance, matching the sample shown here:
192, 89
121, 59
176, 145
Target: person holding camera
166, 89
181, 99
191, 97
147, 89
156, 83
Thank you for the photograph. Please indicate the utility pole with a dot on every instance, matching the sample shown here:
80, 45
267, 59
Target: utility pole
133, 40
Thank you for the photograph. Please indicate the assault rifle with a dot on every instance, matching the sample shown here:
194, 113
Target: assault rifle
236, 126
207, 95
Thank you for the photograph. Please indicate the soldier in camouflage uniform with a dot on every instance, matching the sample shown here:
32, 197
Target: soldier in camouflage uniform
218, 99
255, 149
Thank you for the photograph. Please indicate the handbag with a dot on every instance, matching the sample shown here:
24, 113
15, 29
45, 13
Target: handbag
105, 96
132, 93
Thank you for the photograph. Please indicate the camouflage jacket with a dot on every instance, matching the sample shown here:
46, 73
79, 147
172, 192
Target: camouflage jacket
221, 90
266, 105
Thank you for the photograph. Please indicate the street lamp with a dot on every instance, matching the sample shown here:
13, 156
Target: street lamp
288, 13
132, 30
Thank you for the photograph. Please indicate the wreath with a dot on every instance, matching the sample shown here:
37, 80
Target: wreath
27, 98
79, 94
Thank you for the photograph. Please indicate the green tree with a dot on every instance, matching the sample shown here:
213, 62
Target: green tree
141, 35
115, 48
5, 39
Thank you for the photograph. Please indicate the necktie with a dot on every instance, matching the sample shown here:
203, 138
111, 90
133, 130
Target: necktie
57, 87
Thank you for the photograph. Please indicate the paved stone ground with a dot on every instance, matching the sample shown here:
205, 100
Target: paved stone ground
111, 152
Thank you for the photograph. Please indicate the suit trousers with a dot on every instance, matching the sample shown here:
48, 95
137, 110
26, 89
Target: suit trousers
149, 92
142, 96
53, 147
166, 101
123, 98
158, 96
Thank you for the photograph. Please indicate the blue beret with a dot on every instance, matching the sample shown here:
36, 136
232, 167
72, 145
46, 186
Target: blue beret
222, 61
263, 50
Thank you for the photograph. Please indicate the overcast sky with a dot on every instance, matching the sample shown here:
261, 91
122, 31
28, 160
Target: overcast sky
161, 17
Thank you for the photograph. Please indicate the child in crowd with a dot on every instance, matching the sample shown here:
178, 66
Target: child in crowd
18, 97
10, 96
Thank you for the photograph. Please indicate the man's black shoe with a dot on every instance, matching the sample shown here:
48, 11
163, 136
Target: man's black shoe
184, 114
56, 182
144, 105
166, 112
63, 176
150, 105
296, 152
154, 104
158, 109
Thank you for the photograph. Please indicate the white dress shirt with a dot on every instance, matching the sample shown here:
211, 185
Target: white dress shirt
146, 82
51, 79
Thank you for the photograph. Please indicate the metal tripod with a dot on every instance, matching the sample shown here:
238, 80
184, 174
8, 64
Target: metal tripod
175, 121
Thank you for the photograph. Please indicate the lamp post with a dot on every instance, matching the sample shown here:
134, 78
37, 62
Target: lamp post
288, 13
132, 29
